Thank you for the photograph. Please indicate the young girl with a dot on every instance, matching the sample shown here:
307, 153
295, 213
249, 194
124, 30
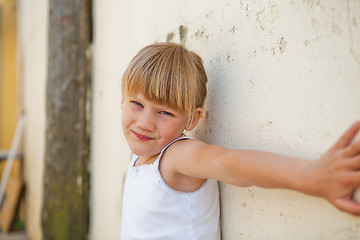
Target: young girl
171, 189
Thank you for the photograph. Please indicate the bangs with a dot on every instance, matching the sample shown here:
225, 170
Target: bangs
166, 74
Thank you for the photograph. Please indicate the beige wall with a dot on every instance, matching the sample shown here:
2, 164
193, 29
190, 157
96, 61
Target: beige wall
109, 154
32, 43
283, 77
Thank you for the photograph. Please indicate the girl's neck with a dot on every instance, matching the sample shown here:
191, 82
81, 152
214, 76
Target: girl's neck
142, 160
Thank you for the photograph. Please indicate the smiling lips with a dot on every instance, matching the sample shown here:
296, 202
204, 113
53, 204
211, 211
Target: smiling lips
142, 137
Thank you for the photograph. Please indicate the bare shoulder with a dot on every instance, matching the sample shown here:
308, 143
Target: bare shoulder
194, 148
191, 156
173, 161
183, 149
186, 145
186, 149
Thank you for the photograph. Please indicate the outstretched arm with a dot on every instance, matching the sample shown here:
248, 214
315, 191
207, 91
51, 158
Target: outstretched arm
334, 176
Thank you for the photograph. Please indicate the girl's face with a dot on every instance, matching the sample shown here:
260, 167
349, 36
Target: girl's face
148, 127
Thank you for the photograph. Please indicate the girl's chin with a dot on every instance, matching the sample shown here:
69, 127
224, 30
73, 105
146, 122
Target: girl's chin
142, 153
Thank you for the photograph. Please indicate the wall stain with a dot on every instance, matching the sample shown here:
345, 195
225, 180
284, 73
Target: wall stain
229, 58
352, 24
247, 11
314, 22
260, 17
312, 3
280, 47
170, 37
201, 33
274, 13
267, 17
233, 29
336, 29
183, 31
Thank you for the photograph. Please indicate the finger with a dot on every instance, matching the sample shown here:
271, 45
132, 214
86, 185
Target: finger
353, 149
347, 137
354, 164
348, 205
357, 137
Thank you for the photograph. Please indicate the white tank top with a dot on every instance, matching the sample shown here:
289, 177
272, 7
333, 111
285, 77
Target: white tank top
153, 210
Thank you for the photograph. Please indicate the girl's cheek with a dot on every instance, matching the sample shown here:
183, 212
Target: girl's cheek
135, 109
126, 116
162, 117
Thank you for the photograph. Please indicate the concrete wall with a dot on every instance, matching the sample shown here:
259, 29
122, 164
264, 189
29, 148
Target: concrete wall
283, 77
32, 65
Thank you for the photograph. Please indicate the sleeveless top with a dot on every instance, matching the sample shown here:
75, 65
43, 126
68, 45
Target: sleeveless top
153, 210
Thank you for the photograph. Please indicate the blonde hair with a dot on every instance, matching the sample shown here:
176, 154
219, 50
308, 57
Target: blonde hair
167, 74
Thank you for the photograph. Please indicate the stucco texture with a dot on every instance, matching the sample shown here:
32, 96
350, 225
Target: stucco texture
283, 77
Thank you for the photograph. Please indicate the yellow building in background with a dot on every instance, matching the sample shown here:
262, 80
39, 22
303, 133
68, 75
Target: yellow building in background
9, 107
9, 111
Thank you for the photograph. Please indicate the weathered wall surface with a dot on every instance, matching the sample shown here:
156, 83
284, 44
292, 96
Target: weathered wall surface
283, 77
32, 42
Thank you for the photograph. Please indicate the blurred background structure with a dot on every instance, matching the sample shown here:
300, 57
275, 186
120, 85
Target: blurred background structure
283, 77
12, 206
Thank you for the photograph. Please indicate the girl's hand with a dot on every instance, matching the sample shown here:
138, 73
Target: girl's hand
337, 173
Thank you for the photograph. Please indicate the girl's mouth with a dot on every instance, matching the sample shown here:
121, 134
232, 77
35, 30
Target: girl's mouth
142, 137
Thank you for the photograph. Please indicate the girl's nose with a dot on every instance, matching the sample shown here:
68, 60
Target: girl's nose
146, 122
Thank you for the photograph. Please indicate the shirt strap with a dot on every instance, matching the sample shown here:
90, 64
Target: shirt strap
166, 147
134, 157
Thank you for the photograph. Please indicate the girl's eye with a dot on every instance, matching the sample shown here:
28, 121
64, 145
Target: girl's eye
166, 113
137, 103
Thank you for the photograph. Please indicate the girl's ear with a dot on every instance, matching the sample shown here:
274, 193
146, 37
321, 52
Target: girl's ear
198, 113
